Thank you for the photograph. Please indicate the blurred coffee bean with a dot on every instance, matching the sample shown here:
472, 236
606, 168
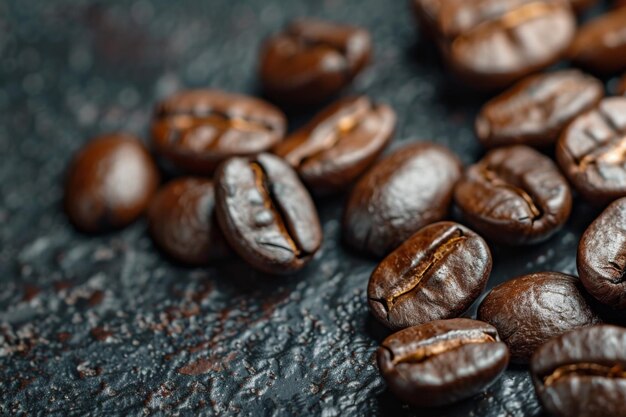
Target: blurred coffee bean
530, 310
110, 183
621, 86
266, 213
436, 274
592, 152
402, 193
442, 362
536, 110
312, 60
197, 129
582, 5
339, 144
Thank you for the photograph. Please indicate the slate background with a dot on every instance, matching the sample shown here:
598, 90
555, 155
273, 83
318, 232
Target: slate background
106, 325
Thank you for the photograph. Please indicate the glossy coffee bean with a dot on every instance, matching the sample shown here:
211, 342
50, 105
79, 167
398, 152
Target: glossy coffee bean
442, 362
592, 152
491, 43
601, 257
197, 129
312, 60
583, 373
182, 222
536, 110
339, 144
402, 193
600, 45
436, 274
532, 309
110, 183
514, 195
266, 214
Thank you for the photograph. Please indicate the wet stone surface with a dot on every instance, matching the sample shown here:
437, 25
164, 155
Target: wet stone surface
108, 324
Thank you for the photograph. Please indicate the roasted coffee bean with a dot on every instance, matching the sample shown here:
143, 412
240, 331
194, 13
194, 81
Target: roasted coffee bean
436, 274
581, 5
583, 373
339, 144
312, 60
402, 193
601, 257
621, 86
491, 43
110, 183
600, 45
266, 214
592, 152
536, 110
530, 310
197, 129
442, 362
182, 222
514, 195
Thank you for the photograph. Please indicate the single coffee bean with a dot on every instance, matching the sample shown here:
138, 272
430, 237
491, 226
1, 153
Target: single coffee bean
592, 152
312, 60
530, 310
514, 195
583, 373
197, 129
442, 362
402, 193
437, 274
600, 45
339, 144
182, 222
621, 86
536, 110
491, 43
110, 183
601, 257
266, 214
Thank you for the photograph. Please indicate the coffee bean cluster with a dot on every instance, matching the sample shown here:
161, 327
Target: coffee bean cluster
247, 190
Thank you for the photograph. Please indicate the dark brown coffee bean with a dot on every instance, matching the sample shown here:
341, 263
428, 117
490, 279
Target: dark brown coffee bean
339, 144
601, 257
581, 5
402, 193
536, 110
197, 129
583, 373
621, 86
491, 43
110, 183
442, 362
530, 310
182, 222
592, 152
436, 274
312, 60
514, 195
600, 45
266, 213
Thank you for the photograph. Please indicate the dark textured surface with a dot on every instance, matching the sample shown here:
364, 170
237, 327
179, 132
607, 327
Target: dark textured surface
106, 324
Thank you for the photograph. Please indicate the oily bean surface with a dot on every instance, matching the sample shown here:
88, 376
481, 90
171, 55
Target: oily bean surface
266, 213
491, 43
110, 183
532, 309
592, 152
442, 362
600, 45
312, 60
536, 110
583, 373
182, 222
601, 256
339, 144
196, 129
402, 193
436, 274
515, 196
